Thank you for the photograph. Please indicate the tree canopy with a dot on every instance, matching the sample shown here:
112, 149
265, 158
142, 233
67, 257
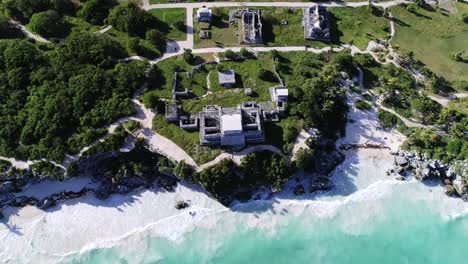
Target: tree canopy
54, 100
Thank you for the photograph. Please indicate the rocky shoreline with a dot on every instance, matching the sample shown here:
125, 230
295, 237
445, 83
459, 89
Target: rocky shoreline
111, 173
453, 177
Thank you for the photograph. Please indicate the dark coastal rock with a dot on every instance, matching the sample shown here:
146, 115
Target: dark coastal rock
181, 205
103, 191
400, 178
299, 190
401, 161
46, 203
326, 162
321, 183
464, 197
167, 181
7, 187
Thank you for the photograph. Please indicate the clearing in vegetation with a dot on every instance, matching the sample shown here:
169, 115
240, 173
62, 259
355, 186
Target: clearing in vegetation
175, 20
434, 37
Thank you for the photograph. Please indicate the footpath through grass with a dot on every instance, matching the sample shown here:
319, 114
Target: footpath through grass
175, 19
188, 141
434, 37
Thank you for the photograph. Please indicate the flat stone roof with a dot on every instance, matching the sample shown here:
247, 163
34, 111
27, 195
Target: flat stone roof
231, 122
227, 77
282, 92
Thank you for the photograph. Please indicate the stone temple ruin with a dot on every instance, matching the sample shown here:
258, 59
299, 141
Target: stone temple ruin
316, 23
251, 25
231, 126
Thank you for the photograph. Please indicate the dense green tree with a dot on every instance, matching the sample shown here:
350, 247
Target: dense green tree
49, 24
304, 157
24, 9
428, 109
96, 11
156, 38
132, 19
188, 56
59, 101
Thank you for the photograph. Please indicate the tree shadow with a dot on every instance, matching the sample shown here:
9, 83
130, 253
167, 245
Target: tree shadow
336, 34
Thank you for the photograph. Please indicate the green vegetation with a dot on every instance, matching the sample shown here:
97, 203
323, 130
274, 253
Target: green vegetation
348, 25
358, 25
132, 126
225, 180
283, 134
363, 105
433, 37
96, 11
175, 19
188, 141
387, 119
112, 143
162, 88
314, 95
4, 166
46, 169
163, 78
50, 97
304, 157
49, 24
7, 30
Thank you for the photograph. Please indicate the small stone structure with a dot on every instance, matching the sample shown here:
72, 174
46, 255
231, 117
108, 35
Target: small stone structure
189, 122
279, 94
251, 25
172, 113
205, 34
204, 14
178, 89
316, 23
227, 78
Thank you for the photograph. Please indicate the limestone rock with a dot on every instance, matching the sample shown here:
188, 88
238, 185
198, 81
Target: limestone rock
401, 161
181, 205
47, 203
450, 190
400, 178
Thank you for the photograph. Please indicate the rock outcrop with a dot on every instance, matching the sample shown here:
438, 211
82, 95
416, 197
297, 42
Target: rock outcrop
422, 168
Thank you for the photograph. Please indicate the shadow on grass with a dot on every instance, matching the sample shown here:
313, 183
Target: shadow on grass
336, 33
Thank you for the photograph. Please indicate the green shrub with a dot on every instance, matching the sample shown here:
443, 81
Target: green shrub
387, 119
363, 105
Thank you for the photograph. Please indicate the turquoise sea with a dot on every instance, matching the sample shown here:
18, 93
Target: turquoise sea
408, 225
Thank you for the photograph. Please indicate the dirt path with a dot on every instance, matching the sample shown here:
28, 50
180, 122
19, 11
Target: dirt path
28, 33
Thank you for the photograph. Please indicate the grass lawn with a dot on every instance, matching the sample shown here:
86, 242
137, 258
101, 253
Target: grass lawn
144, 48
222, 35
188, 141
246, 77
434, 38
168, 67
462, 7
170, 16
358, 26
